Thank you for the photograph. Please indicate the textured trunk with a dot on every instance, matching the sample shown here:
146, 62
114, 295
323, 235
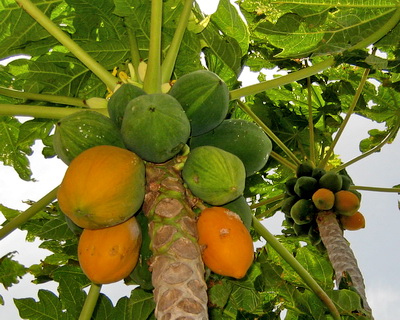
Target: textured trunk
177, 268
340, 254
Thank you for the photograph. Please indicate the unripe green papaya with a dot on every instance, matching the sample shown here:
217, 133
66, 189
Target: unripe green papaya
83, 130
243, 138
288, 204
242, 209
119, 101
303, 211
301, 229
346, 182
332, 181
289, 186
313, 235
304, 169
204, 97
305, 187
214, 175
155, 127
317, 173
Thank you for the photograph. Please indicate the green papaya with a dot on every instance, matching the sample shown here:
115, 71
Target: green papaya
305, 187
304, 169
289, 186
313, 234
288, 204
204, 97
301, 229
214, 175
243, 138
82, 130
119, 101
317, 173
303, 211
155, 127
346, 182
242, 209
332, 181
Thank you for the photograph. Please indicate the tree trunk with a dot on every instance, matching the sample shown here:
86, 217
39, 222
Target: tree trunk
176, 265
340, 254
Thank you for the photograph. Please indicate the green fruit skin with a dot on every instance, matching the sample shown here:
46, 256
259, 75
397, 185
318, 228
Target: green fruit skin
155, 127
214, 175
83, 130
331, 181
242, 138
303, 211
317, 173
346, 182
304, 169
204, 97
119, 101
242, 209
305, 187
289, 186
288, 204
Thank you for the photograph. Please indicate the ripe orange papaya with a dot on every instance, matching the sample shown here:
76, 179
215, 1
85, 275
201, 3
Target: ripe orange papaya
354, 222
227, 247
346, 203
102, 186
323, 199
110, 254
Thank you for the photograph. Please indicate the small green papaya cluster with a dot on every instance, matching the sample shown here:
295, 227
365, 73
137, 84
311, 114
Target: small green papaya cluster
312, 190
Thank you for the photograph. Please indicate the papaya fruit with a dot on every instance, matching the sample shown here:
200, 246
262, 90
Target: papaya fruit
323, 199
304, 169
300, 229
346, 182
331, 180
102, 186
214, 175
83, 130
110, 254
305, 187
242, 209
155, 127
354, 222
346, 203
243, 138
289, 186
288, 203
119, 101
317, 173
205, 98
303, 211
227, 246
313, 234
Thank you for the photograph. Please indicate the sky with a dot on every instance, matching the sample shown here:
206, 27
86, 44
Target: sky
375, 247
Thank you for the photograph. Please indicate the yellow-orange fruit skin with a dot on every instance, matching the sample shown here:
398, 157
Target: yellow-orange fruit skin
323, 199
354, 222
102, 186
110, 254
227, 247
346, 203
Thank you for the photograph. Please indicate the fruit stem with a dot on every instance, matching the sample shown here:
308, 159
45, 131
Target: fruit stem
297, 267
283, 161
135, 53
377, 148
268, 131
281, 81
28, 213
170, 58
310, 120
77, 102
376, 189
267, 201
360, 88
90, 302
41, 111
152, 79
109, 80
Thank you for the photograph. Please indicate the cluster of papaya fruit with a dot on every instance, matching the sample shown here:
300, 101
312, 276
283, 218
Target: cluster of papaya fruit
314, 189
104, 184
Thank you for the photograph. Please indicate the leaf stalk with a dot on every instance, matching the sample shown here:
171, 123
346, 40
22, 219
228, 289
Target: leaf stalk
90, 302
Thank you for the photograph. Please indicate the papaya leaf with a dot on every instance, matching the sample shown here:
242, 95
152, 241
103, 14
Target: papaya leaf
140, 305
375, 137
48, 306
104, 308
11, 154
10, 270
71, 295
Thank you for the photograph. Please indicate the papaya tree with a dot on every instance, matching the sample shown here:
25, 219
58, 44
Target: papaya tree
175, 163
